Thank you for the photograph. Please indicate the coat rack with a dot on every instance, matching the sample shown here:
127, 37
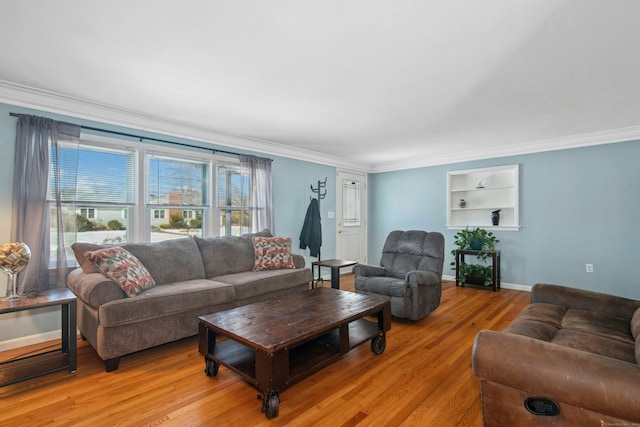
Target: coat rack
321, 195
321, 185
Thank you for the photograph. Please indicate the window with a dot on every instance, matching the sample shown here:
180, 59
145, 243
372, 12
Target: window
173, 184
115, 191
233, 199
91, 180
351, 203
88, 213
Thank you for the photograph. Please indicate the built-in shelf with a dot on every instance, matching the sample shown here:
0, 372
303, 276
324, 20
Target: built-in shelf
484, 190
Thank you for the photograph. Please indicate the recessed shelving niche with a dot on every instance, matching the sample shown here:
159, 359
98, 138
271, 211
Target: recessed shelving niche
484, 190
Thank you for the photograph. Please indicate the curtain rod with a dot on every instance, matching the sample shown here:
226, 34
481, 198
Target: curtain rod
141, 138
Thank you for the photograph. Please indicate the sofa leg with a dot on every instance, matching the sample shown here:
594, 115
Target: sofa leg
112, 364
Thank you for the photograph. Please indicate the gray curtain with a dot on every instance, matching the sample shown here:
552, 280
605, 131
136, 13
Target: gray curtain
258, 172
30, 221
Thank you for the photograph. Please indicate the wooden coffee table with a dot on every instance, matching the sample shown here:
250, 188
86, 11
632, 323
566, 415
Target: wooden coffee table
276, 343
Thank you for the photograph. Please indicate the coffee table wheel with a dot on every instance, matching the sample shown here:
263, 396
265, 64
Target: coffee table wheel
270, 405
211, 367
378, 344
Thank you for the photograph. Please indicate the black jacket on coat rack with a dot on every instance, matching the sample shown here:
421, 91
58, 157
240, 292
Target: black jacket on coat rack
311, 235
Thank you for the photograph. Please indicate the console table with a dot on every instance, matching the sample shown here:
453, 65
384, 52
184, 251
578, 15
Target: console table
23, 368
495, 265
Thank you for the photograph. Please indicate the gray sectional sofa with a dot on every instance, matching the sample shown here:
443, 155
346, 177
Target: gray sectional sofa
193, 277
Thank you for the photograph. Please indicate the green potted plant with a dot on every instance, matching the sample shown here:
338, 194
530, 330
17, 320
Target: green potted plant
479, 240
475, 274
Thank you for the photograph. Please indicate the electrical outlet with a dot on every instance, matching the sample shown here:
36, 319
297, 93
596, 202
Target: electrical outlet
589, 268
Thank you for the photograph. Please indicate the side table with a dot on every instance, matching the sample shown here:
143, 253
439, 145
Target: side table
335, 265
23, 368
495, 265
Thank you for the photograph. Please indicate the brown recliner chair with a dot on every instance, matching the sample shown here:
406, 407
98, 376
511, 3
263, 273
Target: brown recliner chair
409, 275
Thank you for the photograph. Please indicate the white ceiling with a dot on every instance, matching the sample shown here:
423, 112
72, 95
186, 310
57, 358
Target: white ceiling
372, 84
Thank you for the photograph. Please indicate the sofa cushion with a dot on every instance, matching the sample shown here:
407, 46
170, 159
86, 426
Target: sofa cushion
272, 253
79, 249
388, 286
249, 284
580, 329
539, 321
604, 325
596, 344
170, 261
165, 300
124, 268
227, 254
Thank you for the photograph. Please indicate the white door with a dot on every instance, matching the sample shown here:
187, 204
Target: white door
351, 221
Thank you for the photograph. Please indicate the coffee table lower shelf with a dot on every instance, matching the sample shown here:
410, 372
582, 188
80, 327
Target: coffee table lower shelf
304, 359
272, 371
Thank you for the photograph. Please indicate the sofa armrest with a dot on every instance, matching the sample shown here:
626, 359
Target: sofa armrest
422, 278
575, 377
298, 261
368, 270
581, 299
93, 289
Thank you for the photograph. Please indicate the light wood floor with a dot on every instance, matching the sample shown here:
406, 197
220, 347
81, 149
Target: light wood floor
423, 378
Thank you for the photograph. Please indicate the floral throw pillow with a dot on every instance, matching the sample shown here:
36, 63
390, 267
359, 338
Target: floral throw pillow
124, 268
272, 253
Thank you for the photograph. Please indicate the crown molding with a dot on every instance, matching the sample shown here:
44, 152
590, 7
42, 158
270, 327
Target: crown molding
488, 152
29, 97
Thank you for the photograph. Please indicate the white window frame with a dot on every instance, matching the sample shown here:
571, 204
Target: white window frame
89, 213
179, 154
140, 214
229, 162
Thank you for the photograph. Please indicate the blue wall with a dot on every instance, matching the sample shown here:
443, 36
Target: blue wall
291, 179
291, 192
577, 206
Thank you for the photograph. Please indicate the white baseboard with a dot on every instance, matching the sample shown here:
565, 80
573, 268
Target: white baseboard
55, 335
515, 287
503, 285
30, 340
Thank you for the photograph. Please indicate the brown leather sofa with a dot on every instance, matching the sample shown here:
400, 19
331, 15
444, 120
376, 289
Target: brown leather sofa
569, 359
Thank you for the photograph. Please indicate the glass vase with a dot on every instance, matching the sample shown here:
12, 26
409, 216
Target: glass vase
12, 292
